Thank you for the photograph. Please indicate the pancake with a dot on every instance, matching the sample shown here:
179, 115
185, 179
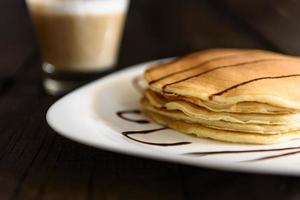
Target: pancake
241, 107
244, 96
259, 76
195, 111
221, 135
225, 125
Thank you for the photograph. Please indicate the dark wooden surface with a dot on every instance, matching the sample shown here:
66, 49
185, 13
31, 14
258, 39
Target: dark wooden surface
36, 163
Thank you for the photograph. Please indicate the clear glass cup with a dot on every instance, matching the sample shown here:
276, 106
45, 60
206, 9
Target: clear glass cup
77, 38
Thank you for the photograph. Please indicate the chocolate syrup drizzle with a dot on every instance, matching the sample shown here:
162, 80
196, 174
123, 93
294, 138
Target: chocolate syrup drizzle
220, 67
192, 67
250, 81
122, 114
128, 133
274, 156
205, 153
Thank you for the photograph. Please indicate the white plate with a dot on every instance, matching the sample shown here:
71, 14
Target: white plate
89, 115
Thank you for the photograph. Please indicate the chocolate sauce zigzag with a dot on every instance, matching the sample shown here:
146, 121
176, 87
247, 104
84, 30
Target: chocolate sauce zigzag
273, 156
139, 121
250, 81
205, 153
128, 133
221, 67
191, 68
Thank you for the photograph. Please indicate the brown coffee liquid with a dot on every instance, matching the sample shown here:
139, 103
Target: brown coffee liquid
78, 41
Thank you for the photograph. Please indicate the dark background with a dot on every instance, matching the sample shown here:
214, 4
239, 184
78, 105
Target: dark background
36, 163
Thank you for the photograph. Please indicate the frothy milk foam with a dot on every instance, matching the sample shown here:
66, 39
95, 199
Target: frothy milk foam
81, 6
79, 35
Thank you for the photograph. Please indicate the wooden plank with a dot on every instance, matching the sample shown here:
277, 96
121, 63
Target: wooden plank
157, 29
210, 184
17, 40
277, 21
126, 177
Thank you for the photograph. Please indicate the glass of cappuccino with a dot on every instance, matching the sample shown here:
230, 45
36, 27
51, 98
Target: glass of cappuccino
78, 39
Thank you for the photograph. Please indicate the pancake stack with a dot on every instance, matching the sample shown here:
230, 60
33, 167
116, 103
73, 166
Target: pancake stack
231, 95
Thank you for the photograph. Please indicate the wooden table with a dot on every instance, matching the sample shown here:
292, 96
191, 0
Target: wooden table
37, 163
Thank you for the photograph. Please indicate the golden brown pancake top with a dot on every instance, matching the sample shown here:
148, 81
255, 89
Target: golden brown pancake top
230, 76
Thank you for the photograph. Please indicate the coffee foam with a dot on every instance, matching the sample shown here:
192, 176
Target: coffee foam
79, 6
